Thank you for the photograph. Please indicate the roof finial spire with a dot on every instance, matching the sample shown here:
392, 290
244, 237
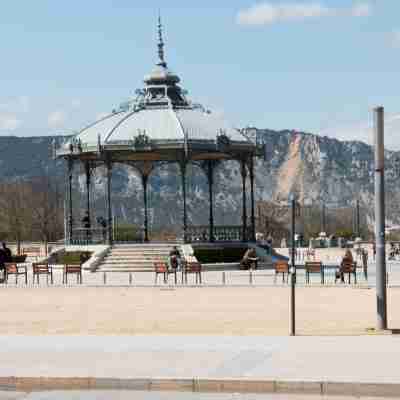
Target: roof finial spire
160, 43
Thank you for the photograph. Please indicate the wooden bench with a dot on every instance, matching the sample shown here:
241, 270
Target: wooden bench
42, 269
347, 267
16, 269
161, 267
281, 267
314, 267
191, 267
72, 269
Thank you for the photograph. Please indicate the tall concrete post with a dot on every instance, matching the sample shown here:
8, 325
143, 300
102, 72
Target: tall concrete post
292, 201
380, 218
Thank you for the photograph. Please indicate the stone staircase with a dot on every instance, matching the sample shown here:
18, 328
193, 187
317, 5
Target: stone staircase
134, 257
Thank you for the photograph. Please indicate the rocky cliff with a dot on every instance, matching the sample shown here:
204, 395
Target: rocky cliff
314, 167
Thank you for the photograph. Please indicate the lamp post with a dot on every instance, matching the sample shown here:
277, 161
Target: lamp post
292, 205
381, 294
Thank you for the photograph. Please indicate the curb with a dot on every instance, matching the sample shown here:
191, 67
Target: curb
198, 385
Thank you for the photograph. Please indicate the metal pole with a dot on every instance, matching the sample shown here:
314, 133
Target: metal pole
253, 216
183, 176
210, 176
380, 218
146, 218
358, 218
293, 271
70, 218
87, 170
109, 212
244, 210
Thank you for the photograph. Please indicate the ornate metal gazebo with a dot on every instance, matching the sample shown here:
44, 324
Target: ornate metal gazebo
160, 126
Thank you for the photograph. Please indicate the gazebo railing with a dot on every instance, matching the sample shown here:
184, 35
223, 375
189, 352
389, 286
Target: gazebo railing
88, 236
223, 233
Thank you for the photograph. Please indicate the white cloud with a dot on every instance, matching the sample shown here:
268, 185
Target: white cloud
9, 122
56, 119
268, 13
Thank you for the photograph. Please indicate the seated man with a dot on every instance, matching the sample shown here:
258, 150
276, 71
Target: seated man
249, 259
174, 258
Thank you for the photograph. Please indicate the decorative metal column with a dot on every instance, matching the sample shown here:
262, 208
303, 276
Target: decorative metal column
210, 178
70, 219
244, 206
109, 211
88, 176
183, 165
253, 216
146, 218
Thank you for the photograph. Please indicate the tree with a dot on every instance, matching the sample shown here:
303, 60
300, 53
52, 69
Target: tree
47, 209
14, 211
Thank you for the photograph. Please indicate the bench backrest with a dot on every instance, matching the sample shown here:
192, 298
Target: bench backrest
313, 266
73, 268
193, 267
348, 266
160, 266
40, 267
11, 268
281, 267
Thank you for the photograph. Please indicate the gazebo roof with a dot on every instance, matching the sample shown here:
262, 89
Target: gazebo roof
160, 114
159, 124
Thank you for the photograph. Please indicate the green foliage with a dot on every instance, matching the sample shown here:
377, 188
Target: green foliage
219, 254
73, 257
345, 233
125, 232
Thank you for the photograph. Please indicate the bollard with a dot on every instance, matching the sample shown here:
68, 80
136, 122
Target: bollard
250, 277
104, 277
223, 278
130, 278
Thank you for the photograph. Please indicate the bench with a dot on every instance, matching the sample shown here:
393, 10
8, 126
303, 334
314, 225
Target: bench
72, 269
314, 267
191, 267
347, 267
42, 269
15, 269
161, 267
281, 267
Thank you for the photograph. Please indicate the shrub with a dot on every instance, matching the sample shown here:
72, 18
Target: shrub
210, 255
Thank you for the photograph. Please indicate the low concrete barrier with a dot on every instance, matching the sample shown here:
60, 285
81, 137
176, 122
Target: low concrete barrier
225, 385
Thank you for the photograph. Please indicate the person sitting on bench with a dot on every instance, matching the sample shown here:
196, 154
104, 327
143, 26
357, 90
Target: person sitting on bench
347, 258
249, 260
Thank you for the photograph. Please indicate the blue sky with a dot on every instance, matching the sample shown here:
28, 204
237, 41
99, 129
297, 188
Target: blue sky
318, 65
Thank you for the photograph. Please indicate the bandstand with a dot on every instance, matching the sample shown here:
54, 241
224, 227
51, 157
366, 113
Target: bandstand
160, 126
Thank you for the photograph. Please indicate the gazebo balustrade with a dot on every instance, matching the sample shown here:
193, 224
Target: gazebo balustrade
221, 233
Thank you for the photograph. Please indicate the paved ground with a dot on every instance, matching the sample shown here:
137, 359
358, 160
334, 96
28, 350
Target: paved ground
235, 310
343, 359
126, 395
